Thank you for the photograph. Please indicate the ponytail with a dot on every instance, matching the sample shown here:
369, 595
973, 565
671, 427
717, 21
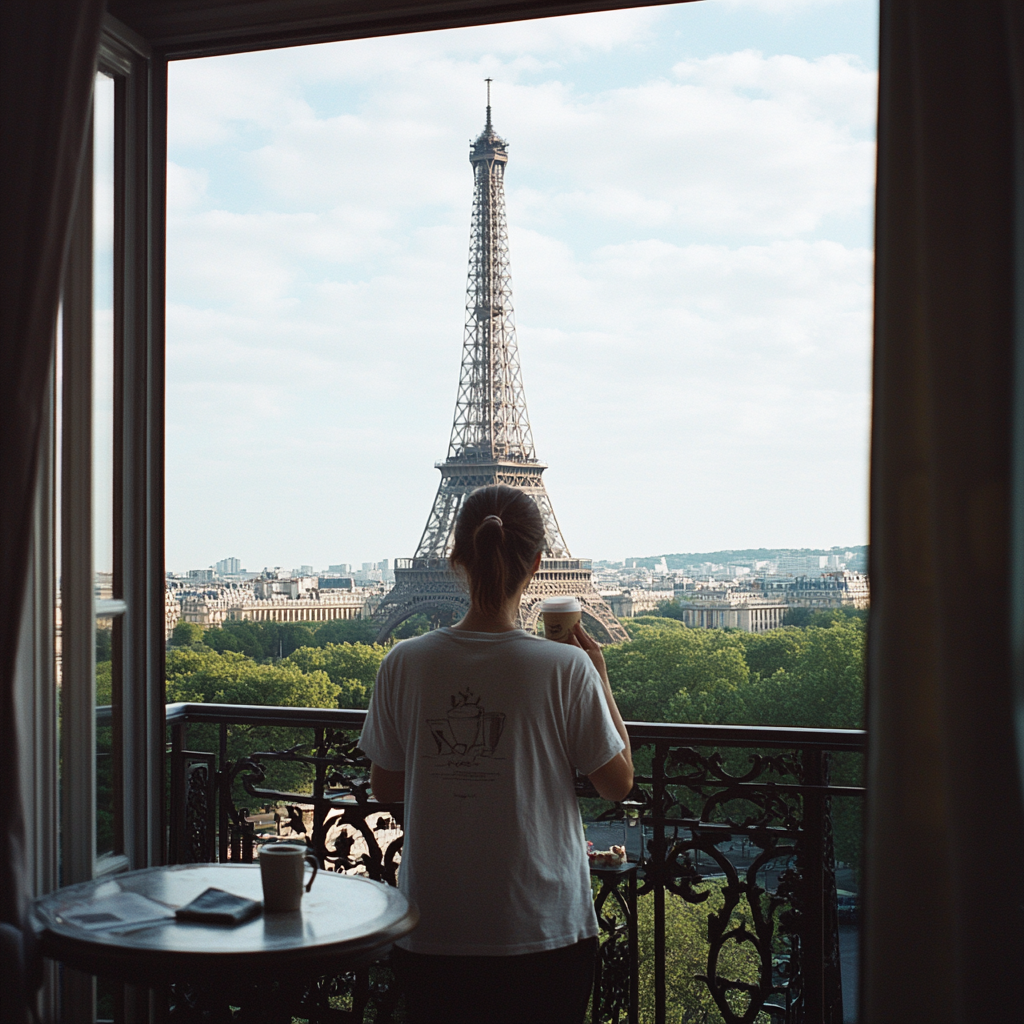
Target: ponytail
498, 534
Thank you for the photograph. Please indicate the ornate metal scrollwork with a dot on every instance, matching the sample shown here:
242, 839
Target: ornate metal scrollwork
337, 820
199, 839
615, 976
366, 994
742, 833
694, 802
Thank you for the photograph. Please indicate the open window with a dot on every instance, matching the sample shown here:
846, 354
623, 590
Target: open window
944, 759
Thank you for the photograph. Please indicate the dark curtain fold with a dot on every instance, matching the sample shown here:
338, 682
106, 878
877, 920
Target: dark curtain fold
47, 62
944, 928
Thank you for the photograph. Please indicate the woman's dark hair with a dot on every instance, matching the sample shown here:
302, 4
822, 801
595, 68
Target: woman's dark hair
498, 534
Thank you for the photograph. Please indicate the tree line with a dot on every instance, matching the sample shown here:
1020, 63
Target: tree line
808, 673
810, 676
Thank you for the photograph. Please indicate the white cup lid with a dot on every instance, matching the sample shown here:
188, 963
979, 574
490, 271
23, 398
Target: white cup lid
560, 604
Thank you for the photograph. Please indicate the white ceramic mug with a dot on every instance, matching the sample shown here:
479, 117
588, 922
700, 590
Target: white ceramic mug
282, 866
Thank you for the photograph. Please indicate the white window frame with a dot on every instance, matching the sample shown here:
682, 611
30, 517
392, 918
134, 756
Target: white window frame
67, 839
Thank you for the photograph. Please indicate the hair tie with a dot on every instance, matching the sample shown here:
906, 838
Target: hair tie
497, 519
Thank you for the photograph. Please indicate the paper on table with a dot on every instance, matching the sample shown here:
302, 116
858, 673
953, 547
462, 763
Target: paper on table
123, 910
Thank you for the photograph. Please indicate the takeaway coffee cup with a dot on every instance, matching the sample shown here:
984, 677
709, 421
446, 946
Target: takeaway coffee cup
560, 616
282, 866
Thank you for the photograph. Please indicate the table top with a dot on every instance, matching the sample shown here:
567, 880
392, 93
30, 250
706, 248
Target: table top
615, 872
343, 919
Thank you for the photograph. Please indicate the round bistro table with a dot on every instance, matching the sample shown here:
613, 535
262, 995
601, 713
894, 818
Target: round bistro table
344, 921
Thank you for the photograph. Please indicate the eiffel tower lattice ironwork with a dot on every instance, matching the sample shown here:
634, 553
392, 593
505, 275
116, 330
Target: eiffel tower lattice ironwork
491, 441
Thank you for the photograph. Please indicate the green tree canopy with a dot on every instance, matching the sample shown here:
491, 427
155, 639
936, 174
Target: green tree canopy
261, 640
103, 644
670, 609
346, 631
416, 625
657, 621
766, 653
186, 633
686, 957
232, 678
809, 677
804, 617
352, 667
670, 670
821, 687
104, 684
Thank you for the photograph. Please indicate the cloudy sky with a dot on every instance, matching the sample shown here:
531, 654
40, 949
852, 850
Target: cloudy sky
690, 201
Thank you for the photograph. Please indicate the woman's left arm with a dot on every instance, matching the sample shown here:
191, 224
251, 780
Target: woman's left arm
613, 780
593, 651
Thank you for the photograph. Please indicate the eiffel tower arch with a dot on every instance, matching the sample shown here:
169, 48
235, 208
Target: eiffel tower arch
491, 440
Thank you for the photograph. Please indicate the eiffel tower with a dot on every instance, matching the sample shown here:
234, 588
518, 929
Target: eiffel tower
491, 441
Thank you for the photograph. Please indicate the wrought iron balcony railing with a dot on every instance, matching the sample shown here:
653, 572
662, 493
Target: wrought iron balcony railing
242, 774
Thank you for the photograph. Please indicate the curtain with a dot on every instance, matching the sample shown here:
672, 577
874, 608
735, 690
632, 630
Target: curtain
47, 62
943, 936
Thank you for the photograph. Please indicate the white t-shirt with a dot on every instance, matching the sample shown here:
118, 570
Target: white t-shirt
488, 728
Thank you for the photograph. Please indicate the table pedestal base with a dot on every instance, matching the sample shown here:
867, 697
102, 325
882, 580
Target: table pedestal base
329, 999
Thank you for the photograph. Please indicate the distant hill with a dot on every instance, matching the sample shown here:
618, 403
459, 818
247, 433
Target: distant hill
682, 560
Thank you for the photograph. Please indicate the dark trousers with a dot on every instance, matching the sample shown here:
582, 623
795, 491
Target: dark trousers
552, 987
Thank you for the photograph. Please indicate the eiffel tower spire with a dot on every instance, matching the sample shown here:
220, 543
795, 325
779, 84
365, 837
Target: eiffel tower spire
491, 421
491, 440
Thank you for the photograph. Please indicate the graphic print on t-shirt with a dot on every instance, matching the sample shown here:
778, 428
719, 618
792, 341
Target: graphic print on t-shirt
468, 734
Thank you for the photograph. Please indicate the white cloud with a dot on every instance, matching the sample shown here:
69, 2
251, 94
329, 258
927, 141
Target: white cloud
717, 383
694, 336
738, 144
216, 100
186, 187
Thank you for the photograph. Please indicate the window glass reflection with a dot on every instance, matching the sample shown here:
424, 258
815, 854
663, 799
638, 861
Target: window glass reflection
103, 337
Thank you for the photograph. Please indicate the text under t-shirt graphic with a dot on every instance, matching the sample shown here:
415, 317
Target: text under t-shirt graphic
466, 738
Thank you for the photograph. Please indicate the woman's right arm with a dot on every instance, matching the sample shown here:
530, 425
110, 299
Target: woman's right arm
614, 780
381, 738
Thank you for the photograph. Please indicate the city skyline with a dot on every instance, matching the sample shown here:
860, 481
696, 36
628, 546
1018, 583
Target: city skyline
356, 566
693, 296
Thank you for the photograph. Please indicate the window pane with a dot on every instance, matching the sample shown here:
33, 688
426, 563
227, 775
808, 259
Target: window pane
103, 338
108, 796
108, 789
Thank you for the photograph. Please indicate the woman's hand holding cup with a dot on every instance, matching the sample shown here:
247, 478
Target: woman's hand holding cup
581, 638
